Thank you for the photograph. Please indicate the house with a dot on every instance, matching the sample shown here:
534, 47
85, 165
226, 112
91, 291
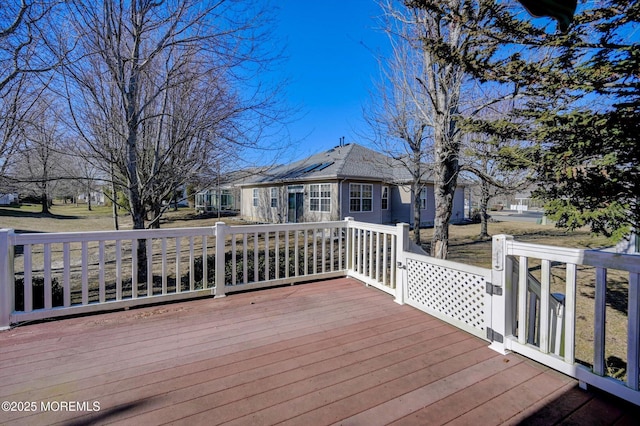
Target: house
225, 194
8, 199
346, 181
97, 198
213, 199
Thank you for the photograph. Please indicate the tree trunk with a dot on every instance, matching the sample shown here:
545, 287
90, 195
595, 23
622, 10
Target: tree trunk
156, 211
136, 204
440, 239
446, 170
416, 213
88, 196
416, 172
484, 202
175, 200
114, 201
44, 201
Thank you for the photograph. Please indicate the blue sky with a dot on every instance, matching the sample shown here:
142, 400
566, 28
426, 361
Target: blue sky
331, 49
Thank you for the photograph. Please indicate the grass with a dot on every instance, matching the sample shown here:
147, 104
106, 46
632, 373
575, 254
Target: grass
62, 218
72, 218
464, 245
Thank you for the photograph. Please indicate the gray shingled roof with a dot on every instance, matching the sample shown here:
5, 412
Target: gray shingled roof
348, 161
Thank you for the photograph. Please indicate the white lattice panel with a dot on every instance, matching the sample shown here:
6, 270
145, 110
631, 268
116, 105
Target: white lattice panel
448, 294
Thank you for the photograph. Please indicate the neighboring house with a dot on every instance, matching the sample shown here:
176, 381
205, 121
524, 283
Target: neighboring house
208, 200
97, 198
226, 194
8, 199
345, 181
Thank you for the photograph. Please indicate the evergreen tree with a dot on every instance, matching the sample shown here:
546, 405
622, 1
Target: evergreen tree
580, 92
589, 144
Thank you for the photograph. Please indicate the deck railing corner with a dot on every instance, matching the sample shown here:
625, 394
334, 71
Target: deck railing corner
6, 278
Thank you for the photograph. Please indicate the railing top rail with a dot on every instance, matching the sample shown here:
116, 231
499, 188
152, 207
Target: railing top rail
598, 258
372, 227
74, 237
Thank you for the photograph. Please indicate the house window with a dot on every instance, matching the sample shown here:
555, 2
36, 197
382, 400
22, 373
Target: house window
423, 199
385, 198
255, 197
274, 197
320, 197
226, 199
360, 197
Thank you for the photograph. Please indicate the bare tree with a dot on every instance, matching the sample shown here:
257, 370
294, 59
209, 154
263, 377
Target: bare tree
40, 163
423, 26
152, 91
88, 178
484, 161
14, 111
25, 47
399, 127
25, 52
187, 139
452, 45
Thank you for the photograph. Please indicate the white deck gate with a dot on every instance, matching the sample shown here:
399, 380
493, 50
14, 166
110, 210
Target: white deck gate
457, 293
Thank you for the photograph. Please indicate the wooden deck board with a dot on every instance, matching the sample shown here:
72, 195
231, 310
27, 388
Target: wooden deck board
321, 353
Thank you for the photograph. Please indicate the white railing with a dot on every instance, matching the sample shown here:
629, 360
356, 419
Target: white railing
261, 256
373, 252
72, 273
59, 274
532, 298
526, 303
555, 341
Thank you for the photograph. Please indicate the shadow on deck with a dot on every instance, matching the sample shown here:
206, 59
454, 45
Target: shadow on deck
321, 353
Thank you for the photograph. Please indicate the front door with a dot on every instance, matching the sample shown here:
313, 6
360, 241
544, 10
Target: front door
296, 208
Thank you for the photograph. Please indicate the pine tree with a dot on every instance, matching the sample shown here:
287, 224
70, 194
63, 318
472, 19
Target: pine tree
582, 92
590, 151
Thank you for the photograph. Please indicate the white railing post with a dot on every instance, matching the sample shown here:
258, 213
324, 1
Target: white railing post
348, 262
500, 288
402, 244
221, 236
7, 283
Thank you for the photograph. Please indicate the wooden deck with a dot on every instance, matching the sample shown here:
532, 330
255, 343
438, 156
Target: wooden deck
321, 353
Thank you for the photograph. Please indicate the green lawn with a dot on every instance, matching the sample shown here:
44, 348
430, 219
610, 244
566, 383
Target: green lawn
69, 218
